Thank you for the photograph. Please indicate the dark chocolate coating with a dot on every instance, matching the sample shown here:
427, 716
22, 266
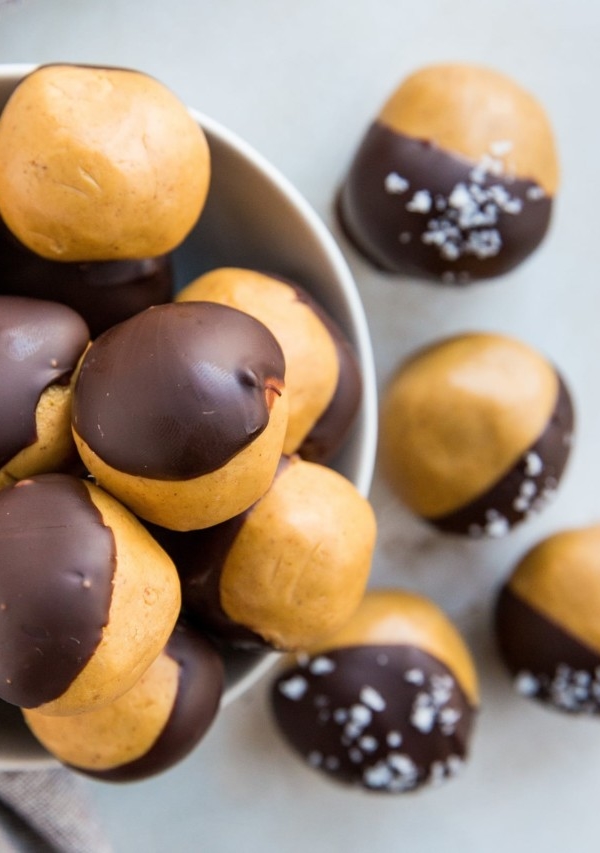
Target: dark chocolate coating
57, 562
330, 431
192, 396
199, 557
389, 718
548, 663
103, 292
40, 345
415, 209
526, 488
201, 680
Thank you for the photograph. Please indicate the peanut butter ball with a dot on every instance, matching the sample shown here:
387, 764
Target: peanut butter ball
476, 430
88, 599
455, 178
387, 703
41, 344
321, 370
150, 728
546, 621
99, 164
180, 412
288, 571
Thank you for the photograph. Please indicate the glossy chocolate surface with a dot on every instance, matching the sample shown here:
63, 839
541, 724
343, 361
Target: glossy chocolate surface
178, 390
415, 209
201, 679
527, 488
548, 663
103, 292
199, 557
40, 345
389, 718
57, 561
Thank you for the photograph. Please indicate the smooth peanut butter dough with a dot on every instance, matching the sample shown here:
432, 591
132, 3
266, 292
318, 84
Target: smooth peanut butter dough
290, 570
322, 375
181, 412
41, 345
454, 179
155, 724
388, 702
88, 599
475, 432
546, 621
99, 164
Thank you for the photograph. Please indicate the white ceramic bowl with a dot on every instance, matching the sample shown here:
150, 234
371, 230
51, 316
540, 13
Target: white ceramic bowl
253, 217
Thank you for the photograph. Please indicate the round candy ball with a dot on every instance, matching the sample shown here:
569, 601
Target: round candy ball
181, 412
476, 430
546, 621
160, 719
99, 164
455, 178
88, 599
388, 703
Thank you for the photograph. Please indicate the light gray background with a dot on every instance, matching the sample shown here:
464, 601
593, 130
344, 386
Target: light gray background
300, 81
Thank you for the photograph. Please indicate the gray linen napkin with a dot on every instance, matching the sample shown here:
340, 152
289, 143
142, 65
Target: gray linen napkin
47, 811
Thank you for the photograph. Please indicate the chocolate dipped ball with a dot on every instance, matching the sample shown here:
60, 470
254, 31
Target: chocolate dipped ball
150, 728
546, 621
88, 599
476, 431
102, 292
322, 374
288, 571
388, 703
455, 178
99, 164
181, 412
41, 344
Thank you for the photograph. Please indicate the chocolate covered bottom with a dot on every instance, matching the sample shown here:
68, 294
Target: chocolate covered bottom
388, 718
527, 488
547, 662
40, 345
413, 208
200, 686
102, 292
57, 562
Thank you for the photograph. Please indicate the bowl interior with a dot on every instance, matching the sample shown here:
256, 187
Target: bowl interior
253, 217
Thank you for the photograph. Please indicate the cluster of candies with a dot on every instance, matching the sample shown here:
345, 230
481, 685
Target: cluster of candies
165, 489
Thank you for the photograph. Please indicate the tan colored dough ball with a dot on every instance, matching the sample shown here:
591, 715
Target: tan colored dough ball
99, 164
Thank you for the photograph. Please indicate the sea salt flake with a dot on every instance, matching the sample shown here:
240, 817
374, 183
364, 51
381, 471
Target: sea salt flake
372, 698
395, 184
361, 715
421, 202
535, 193
378, 776
414, 676
321, 666
394, 739
423, 717
340, 716
501, 147
368, 743
497, 527
294, 688
533, 464
332, 762
526, 683
315, 758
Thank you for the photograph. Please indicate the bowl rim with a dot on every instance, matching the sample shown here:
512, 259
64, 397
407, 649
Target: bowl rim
366, 448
